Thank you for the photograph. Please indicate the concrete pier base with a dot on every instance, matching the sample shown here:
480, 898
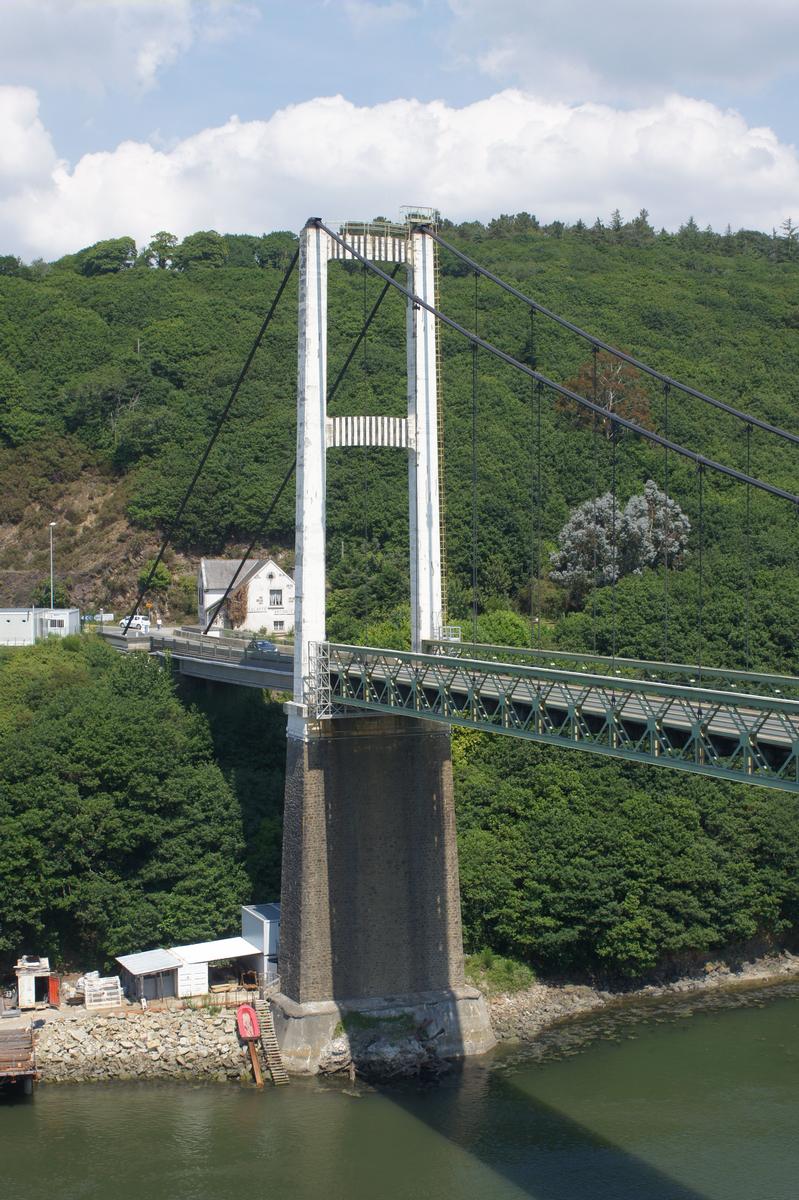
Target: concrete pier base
455, 1022
370, 907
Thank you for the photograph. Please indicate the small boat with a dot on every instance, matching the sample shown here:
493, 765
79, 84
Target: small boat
247, 1021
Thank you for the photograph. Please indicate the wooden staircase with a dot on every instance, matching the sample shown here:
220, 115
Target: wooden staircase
274, 1061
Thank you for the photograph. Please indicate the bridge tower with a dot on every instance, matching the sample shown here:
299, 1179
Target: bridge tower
370, 906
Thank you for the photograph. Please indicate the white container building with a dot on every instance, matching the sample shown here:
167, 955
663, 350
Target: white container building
150, 975
185, 971
24, 626
196, 960
260, 924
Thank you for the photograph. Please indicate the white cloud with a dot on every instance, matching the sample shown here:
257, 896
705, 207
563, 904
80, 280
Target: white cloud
512, 151
107, 45
626, 50
27, 157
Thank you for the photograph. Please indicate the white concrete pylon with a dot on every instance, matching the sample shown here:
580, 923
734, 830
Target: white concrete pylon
309, 573
420, 441
423, 480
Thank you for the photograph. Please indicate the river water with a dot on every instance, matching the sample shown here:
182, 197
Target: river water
680, 1100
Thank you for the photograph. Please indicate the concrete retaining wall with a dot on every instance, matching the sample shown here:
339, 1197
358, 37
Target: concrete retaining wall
141, 1045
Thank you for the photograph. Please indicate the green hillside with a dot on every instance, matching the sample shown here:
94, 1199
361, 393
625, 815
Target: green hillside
113, 370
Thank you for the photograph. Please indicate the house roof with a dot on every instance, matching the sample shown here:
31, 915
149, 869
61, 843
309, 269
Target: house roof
232, 947
218, 572
149, 961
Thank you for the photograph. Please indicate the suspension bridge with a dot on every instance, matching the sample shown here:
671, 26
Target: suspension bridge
371, 915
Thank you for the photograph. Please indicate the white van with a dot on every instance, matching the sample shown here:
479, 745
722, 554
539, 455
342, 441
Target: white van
138, 624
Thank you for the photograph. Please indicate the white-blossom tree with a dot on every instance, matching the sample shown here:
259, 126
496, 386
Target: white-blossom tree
601, 541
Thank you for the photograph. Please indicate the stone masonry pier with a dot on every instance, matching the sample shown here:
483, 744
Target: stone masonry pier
370, 905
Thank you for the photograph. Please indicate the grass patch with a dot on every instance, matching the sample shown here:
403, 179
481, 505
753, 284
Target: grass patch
492, 973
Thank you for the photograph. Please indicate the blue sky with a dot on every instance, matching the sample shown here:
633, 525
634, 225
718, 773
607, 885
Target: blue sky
117, 116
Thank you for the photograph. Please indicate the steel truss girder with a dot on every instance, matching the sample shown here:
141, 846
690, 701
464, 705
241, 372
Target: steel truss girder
748, 738
747, 682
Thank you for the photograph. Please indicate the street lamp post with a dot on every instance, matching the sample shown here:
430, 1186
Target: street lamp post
52, 580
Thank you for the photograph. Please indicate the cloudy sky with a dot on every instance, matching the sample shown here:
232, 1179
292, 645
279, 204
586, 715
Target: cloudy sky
129, 116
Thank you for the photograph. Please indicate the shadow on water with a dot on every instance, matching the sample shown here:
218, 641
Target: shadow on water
540, 1151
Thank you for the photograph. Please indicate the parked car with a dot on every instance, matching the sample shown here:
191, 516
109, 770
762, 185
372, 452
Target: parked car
138, 624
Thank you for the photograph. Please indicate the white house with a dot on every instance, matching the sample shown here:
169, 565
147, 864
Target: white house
262, 598
24, 626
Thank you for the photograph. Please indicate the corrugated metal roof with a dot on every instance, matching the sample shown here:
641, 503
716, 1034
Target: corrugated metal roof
232, 947
149, 961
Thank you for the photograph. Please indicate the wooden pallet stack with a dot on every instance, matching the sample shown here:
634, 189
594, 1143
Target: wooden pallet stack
17, 1061
271, 1049
103, 993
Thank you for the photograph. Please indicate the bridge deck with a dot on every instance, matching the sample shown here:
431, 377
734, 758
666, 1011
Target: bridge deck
746, 728
712, 731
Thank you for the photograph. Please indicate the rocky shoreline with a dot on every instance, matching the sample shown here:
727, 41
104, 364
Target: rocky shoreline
522, 1016
203, 1045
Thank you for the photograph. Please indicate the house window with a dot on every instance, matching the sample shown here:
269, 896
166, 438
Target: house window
56, 623
275, 597
279, 626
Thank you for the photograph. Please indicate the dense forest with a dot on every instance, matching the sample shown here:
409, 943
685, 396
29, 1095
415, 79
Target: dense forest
114, 363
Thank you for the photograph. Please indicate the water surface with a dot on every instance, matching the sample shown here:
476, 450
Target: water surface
690, 1100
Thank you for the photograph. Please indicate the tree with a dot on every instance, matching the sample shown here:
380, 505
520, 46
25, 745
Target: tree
160, 251
654, 529
276, 249
601, 542
612, 383
108, 257
790, 235
117, 829
502, 627
203, 249
160, 581
17, 422
40, 596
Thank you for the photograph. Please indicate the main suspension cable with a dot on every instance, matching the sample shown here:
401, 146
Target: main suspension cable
666, 527
145, 587
748, 554
622, 422
595, 458
596, 342
474, 469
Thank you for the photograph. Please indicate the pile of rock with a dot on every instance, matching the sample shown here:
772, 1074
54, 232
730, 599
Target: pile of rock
141, 1045
524, 1014
379, 1051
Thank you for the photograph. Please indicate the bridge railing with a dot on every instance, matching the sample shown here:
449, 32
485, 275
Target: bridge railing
746, 682
235, 650
707, 730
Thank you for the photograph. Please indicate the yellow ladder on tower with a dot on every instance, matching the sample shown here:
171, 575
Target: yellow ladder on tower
442, 515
